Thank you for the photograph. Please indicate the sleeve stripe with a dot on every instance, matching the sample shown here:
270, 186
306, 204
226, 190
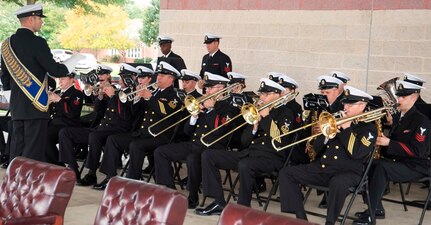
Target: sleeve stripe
406, 149
352, 140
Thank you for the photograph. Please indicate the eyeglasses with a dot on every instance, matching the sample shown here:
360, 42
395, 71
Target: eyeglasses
352, 104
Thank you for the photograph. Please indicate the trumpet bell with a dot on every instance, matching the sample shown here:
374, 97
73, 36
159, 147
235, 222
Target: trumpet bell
192, 104
328, 125
250, 113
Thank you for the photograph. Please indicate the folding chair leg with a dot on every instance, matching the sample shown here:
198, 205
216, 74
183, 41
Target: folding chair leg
151, 175
177, 167
125, 168
82, 167
232, 190
203, 201
425, 206
306, 195
403, 197
259, 200
271, 193
408, 188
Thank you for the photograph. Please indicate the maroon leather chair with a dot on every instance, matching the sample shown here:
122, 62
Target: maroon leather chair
128, 201
234, 214
34, 192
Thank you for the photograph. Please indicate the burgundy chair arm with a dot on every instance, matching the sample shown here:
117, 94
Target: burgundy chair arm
34, 220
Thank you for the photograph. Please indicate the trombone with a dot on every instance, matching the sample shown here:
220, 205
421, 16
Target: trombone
124, 97
192, 105
328, 125
250, 113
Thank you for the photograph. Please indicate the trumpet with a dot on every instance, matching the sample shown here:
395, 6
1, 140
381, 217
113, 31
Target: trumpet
94, 89
192, 105
328, 125
131, 96
250, 113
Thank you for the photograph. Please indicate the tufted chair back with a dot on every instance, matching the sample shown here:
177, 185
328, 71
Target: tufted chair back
134, 202
234, 214
35, 192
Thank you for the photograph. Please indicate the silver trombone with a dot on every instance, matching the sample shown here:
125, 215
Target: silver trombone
250, 113
131, 96
192, 105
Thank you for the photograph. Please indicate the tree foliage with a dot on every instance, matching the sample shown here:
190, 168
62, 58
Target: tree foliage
150, 28
8, 21
104, 30
85, 4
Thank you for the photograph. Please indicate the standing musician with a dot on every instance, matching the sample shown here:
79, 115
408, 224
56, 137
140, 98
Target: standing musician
258, 157
140, 143
165, 44
25, 61
340, 165
208, 119
405, 152
65, 111
116, 119
215, 61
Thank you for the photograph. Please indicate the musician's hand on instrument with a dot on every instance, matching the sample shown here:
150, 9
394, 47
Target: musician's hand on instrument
52, 97
201, 84
383, 141
389, 119
209, 103
146, 94
109, 91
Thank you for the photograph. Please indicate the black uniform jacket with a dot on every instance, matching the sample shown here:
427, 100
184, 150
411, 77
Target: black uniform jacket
161, 104
67, 111
337, 105
347, 151
117, 115
278, 122
410, 140
219, 64
207, 121
34, 53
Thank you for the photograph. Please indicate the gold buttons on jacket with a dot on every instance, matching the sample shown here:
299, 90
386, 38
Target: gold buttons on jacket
193, 140
252, 142
152, 113
323, 166
112, 110
263, 143
151, 120
195, 134
324, 156
197, 125
337, 147
205, 126
265, 134
327, 146
335, 157
142, 126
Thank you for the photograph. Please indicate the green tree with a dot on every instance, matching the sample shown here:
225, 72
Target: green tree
150, 27
8, 21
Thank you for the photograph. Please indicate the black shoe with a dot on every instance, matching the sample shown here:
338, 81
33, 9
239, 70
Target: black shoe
362, 221
323, 204
211, 209
193, 203
380, 214
102, 185
88, 180
5, 165
261, 187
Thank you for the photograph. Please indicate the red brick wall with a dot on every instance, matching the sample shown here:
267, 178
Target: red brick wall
293, 4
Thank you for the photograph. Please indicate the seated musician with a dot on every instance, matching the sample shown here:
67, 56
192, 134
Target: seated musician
258, 157
339, 162
116, 119
65, 111
405, 152
140, 143
208, 119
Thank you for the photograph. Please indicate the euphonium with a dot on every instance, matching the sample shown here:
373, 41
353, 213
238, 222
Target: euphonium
389, 88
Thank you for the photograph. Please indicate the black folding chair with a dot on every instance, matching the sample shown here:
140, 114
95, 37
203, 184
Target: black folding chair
361, 187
